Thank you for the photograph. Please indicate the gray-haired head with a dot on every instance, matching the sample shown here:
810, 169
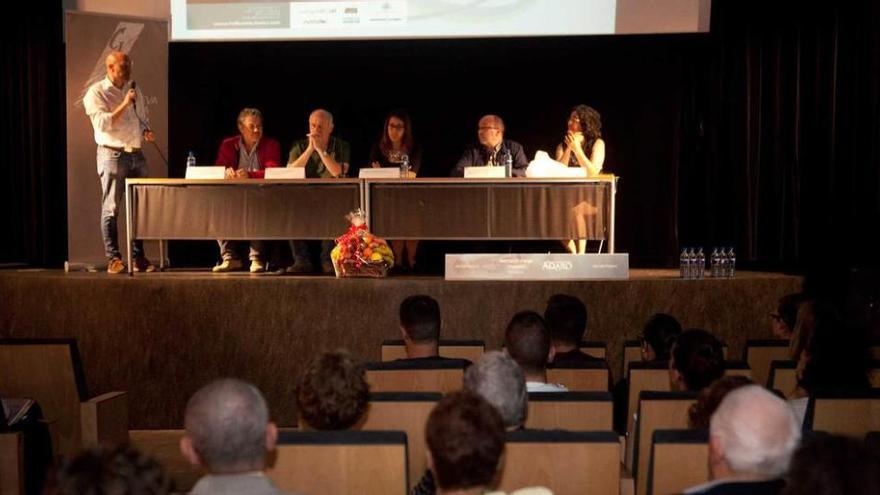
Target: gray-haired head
755, 432
249, 112
324, 114
499, 380
226, 422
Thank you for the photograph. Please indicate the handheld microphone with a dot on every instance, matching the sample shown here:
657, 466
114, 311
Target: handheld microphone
134, 102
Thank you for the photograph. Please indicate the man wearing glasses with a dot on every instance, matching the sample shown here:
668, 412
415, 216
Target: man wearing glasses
492, 149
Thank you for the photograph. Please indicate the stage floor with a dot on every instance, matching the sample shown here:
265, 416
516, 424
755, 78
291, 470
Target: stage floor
161, 336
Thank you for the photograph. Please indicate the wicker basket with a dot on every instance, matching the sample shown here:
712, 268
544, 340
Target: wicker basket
349, 268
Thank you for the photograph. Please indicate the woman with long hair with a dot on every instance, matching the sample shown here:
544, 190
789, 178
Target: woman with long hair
396, 142
582, 147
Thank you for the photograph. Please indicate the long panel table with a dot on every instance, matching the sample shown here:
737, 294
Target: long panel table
422, 208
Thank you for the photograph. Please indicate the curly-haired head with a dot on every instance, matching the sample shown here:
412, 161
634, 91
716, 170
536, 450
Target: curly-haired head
697, 360
465, 437
710, 397
119, 471
333, 392
591, 125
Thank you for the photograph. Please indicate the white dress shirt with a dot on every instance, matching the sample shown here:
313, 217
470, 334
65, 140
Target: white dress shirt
99, 102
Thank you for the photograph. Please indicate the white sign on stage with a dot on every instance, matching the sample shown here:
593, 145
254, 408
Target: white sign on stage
206, 172
379, 173
537, 266
484, 172
286, 173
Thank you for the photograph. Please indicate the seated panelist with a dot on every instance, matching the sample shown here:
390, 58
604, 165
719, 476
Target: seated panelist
246, 155
492, 149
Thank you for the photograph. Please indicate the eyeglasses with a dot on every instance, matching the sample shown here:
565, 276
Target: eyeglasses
396, 126
487, 128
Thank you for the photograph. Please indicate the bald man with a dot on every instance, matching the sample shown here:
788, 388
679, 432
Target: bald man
324, 156
492, 149
228, 434
117, 114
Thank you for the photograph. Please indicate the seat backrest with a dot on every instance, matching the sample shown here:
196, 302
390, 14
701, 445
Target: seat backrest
11, 462
577, 411
783, 377
343, 462
643, 376
586, 377
566, 462
596, 348
50, 372
737, 368
679, 460
397, 376
759, 353
459, 349
657, 411
632, 352
406, 411
851, 414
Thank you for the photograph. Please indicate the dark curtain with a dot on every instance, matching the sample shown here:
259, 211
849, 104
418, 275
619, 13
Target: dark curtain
33, 222
780, 132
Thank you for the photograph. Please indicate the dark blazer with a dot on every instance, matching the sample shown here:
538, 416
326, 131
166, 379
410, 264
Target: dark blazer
478, 156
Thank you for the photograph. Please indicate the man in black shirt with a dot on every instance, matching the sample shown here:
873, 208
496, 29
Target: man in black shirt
492, 149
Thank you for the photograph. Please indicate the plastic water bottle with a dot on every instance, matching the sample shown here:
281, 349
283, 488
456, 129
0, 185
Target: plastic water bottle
723, 263
715, 259
507, 160
191, 159
404, 166
700, 264
683, 263
731, 263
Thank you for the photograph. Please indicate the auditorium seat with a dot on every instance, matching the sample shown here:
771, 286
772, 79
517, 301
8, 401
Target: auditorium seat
164, 446
737, 368
585, 377
11, 463
783, 377
679, 460
596, 348
759, 353
632, 352
566, 462
50, 371
578, 411
406, 411
852, 414
460, 349
340, 462
657, 411
407, 376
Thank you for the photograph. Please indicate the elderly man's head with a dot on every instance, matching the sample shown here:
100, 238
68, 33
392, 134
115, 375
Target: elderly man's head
118, 68
497, 378
490, 131
321, 124
227, 428
752, 435
250, 126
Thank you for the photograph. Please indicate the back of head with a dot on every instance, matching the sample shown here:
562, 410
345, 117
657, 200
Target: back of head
119, 471
788, 307
660, 333
497, 378
527, 341
710, 397
756, 432
697, 356
226, 421
420, 317
333, 393
833, 465
566, 318
465, 438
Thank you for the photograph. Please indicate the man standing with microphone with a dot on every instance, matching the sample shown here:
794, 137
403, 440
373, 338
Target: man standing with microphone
111, 104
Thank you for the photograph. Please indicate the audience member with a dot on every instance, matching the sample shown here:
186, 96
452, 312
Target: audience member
333, 393
658, 335
228, 433
528, 342
752, 436
566, 318
831, 356
497, 378
323, 156
119, 471
420, 327
833, 465
246, 155
710, 397
465, 440
783, 320
696, 361
492, 149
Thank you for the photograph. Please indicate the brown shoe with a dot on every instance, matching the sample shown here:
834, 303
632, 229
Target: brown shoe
115, 265
142, 264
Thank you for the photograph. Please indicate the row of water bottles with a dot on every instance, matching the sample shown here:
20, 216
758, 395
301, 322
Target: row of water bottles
692, 263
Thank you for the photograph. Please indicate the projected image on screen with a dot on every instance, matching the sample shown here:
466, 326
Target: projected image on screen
335, 19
